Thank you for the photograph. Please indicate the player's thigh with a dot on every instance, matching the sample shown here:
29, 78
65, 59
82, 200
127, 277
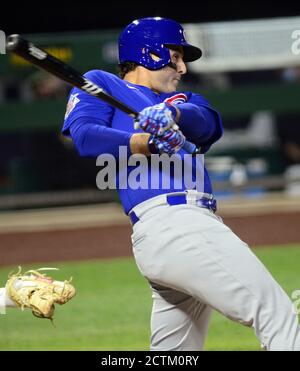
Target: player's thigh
178, 321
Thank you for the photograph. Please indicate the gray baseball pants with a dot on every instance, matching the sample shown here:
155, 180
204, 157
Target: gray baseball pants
195, 263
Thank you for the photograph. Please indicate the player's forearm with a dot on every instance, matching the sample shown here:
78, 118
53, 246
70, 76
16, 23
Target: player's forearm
92, 140
198, 124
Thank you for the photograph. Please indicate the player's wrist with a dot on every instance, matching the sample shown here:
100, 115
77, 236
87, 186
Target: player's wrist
175, 112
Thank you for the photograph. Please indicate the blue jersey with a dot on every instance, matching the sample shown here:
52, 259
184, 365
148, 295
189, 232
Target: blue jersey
97, 128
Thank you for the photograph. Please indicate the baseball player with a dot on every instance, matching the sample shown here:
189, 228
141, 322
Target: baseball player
192, 261
36, 291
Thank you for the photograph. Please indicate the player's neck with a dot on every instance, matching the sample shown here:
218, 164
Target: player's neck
139, 77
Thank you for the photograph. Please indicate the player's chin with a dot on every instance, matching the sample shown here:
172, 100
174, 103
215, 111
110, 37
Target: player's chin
172, 86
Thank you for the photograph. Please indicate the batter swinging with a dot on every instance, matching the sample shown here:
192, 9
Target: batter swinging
193, 262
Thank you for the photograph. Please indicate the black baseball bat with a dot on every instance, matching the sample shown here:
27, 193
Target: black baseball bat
42, 59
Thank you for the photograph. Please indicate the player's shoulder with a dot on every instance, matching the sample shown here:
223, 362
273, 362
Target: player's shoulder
103, 78
100, 74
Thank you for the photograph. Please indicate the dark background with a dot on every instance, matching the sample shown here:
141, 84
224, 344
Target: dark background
92, 15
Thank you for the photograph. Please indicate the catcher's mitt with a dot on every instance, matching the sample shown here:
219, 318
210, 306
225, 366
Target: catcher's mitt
38, 292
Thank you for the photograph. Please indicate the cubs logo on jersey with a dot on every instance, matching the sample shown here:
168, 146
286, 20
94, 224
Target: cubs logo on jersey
176, 99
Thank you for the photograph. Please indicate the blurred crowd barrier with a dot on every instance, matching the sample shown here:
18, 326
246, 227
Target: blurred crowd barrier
249, 73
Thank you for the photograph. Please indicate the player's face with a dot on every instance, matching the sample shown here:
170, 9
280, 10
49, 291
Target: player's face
167, 79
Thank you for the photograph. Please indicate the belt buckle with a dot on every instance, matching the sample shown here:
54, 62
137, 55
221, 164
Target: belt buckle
209, 203
212, 204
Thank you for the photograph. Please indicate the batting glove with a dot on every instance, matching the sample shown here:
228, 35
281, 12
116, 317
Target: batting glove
170, 142
157, 119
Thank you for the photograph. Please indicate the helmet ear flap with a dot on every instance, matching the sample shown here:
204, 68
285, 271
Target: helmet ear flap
155, 57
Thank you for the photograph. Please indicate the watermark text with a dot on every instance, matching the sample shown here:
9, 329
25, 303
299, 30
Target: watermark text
154, 172
296, 301
2, 42
296, 44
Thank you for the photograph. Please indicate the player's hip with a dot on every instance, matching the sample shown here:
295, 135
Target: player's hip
169, 203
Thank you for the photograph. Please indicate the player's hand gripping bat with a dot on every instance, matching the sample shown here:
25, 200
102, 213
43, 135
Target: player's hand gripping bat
46, 61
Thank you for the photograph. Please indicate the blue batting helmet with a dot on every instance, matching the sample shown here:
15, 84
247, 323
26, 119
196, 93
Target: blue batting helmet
154, 35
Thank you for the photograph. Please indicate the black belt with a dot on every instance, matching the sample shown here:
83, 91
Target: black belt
172, 200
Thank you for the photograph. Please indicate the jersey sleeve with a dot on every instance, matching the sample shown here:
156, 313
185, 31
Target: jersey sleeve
199, 122
88, 121
83, 105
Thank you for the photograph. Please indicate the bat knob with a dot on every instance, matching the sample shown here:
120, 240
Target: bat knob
13, 42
